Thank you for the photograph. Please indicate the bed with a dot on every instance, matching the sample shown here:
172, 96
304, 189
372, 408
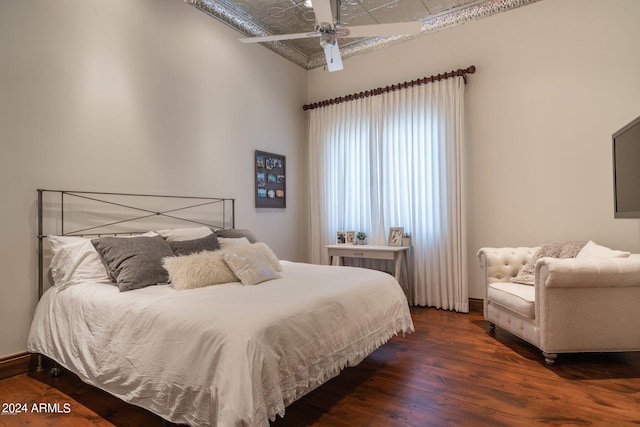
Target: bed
231, 354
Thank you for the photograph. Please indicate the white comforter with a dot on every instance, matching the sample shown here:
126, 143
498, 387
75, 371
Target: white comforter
226, 355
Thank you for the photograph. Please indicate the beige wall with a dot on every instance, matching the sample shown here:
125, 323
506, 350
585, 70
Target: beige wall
146, 96
555, 79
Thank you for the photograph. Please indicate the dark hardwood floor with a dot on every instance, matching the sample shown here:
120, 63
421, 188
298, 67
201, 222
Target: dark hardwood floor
450, 372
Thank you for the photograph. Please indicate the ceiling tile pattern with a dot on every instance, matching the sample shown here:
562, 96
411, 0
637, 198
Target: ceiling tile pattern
271, 17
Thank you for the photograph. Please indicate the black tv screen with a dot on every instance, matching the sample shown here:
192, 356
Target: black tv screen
626, 171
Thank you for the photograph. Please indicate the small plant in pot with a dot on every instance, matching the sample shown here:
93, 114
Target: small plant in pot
361, 236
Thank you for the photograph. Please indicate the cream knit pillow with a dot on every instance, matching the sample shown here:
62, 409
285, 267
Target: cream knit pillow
198, 270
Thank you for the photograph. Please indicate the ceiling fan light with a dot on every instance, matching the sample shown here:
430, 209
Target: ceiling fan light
327, 39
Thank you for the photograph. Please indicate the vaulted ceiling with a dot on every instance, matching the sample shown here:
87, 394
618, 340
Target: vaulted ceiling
274, 17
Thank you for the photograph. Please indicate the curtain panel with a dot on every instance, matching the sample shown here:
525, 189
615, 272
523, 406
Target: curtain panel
395, 160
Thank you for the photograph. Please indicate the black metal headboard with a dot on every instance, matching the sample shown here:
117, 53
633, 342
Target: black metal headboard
86, 213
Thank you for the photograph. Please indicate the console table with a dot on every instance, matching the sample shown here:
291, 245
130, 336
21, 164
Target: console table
394, 253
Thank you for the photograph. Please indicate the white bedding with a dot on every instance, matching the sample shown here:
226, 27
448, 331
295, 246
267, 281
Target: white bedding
226, 355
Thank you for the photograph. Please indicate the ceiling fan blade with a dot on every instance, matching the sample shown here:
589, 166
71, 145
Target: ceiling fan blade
322, 10
332, 55
280, 37
397, 29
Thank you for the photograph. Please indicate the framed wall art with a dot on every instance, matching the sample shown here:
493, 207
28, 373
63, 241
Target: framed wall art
270, 176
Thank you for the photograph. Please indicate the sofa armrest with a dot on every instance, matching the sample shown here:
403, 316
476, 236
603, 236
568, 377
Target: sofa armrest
587, 304
587, 273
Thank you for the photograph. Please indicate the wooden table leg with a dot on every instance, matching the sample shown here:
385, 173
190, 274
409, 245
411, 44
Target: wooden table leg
397, 270
407, 277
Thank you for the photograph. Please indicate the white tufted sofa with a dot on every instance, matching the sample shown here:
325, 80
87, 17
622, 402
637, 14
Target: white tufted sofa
576, 305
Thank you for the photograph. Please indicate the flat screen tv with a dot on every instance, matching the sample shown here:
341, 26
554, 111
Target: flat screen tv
626, 171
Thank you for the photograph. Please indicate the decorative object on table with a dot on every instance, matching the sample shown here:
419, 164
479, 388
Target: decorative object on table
350, 237
345, 237
395, 236
406, 239
270, 180
362, 238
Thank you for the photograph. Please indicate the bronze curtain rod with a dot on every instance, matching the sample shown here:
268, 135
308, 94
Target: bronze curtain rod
379, 91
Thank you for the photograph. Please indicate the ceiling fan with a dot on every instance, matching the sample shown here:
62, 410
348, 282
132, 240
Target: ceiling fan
330, 30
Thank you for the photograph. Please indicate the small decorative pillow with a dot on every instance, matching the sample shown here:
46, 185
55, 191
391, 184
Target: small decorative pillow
268, 254
249, 265
526, 275
198, 270
187, 247
179, 234
593, 250
134, 263
228, 242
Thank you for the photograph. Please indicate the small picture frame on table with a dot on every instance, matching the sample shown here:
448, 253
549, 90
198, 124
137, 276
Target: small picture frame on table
345, 237
351, 237
395, 236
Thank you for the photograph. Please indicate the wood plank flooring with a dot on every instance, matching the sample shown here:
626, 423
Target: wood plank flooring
450, 372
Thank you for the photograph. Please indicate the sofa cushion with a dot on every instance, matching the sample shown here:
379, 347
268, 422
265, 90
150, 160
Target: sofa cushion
516, 297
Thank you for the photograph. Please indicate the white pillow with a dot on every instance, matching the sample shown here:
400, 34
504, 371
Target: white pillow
198, 270
75, 261
249, 265
228, 242
180, 234
593, 250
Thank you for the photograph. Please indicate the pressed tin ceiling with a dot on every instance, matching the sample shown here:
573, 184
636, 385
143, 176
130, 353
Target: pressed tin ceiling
273, 17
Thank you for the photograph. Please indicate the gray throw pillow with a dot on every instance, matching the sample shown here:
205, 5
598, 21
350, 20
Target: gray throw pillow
188, 247
235, 233
526, 275
134, 262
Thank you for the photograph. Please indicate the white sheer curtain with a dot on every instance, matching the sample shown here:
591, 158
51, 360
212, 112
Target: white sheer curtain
396, 160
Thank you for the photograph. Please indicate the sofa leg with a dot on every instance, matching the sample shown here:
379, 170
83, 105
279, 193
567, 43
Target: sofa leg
492, 327
549, 358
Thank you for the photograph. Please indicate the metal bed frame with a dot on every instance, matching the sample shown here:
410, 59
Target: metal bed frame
226, 208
